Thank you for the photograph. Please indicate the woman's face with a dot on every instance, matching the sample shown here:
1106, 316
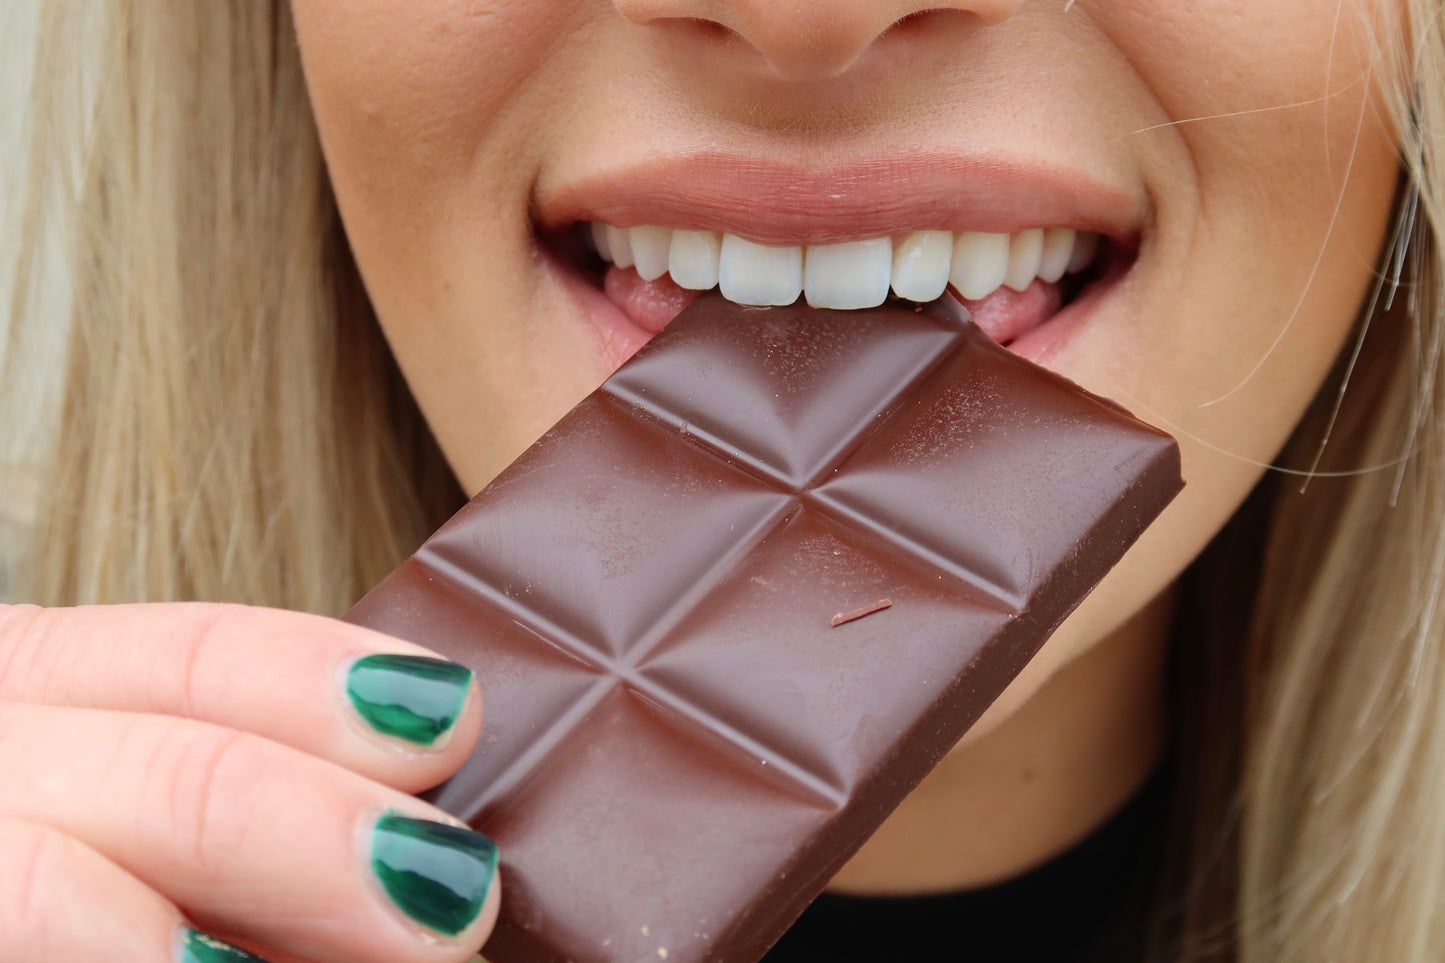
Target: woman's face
1232, 154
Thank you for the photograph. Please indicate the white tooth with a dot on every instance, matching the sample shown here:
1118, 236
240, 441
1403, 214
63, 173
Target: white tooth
756, 274
920, 265
847, 276
649, 251
599, 240
619, 241
1058, 248
980, 262
692, 259
1025, 251
1086, 245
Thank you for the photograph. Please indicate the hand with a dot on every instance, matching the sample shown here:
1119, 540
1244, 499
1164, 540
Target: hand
170, 769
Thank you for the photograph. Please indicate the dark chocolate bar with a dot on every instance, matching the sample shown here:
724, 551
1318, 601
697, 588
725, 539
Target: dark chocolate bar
680, 746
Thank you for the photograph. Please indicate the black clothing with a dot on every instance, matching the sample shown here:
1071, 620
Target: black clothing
1083, 906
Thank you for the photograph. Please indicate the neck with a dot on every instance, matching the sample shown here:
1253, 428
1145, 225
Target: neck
1039, 781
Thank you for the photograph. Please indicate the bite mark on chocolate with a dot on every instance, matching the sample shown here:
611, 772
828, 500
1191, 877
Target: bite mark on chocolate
843, 618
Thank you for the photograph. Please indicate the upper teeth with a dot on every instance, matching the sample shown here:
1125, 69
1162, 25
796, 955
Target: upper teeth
853, 274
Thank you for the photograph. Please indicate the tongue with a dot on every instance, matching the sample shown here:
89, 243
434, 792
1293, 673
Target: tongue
650, 304
1003, 315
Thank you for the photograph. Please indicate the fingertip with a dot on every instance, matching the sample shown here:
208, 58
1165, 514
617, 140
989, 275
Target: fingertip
413, 699
193, 946
423, 713
487, 922
475, 937
440, 876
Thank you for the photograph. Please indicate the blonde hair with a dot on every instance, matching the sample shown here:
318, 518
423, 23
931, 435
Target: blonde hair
233, 428
1310, 805
1343, 832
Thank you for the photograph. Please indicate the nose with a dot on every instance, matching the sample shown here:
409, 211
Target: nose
807, 39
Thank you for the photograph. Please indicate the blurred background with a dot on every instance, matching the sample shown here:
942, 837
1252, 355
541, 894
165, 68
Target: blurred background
23, 432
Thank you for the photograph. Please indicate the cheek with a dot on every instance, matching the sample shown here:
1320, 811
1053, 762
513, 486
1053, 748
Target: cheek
423, 81
406, 95
429, 117
1278, 107
409, 97
1216, 57
1273, 198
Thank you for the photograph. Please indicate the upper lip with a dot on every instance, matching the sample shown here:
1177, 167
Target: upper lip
776, 203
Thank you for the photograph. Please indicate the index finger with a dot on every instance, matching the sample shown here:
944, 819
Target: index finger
382, 707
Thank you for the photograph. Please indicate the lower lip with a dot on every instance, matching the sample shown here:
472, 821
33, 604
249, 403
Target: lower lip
617, 338
1043, 344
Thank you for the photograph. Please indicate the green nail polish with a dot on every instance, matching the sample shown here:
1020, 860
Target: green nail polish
197, 947
408, 696
438, 874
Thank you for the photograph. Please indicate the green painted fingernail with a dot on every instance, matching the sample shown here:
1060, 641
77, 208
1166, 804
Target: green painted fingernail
438, 874
408, 696
197, 947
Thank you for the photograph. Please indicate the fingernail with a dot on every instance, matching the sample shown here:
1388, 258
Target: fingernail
408, 696
197, 947
438, 874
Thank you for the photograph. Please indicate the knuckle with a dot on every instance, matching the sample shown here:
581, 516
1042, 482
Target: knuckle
208, 631
24, 630
208, 780
34, 864
200, 645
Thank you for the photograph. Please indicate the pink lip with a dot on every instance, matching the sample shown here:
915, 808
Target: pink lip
614, 335
776, 203
1042, 344
617, 338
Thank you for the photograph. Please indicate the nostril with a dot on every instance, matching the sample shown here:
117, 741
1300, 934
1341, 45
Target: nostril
709, 29
932, 24
797, 40
695, 28
917, 20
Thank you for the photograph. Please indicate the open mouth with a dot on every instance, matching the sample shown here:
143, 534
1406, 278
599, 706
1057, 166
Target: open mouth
1013, 285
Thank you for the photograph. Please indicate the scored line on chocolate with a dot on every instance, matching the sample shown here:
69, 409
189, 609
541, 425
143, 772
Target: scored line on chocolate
866, 424
648, 639
793, 494
705, 439
989, 592
506, 782
864, 428
614, 672
826, 790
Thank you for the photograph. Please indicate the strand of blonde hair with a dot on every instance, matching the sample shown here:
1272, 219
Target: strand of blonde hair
230, 428
1343, 833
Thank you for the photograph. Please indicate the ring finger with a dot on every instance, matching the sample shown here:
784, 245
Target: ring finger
61, 901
